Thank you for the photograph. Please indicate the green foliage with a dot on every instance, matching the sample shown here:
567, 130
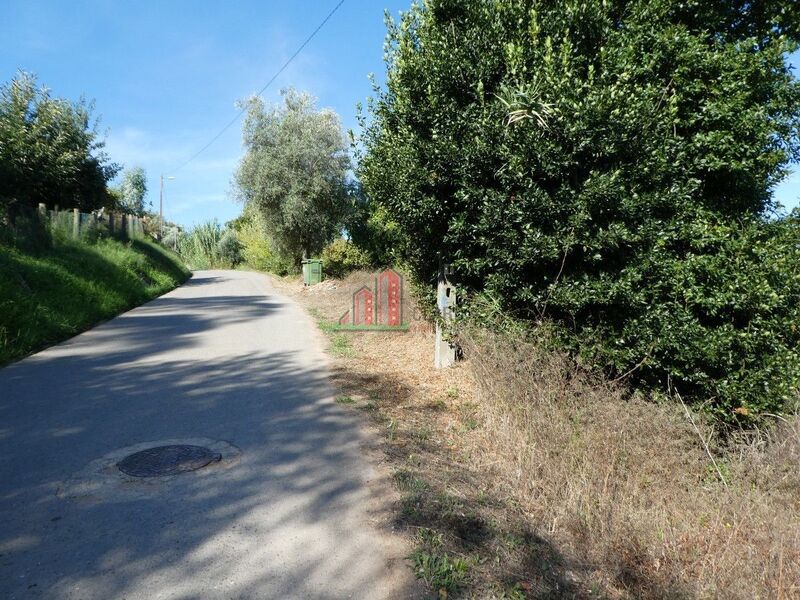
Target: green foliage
57, 292
439, 571
256, 249
28, 233
293, 174
341, 257
371, 229
229, 249
132, 191
50, 150
210, 246
608, 166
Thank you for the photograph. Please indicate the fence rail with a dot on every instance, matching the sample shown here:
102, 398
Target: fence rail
77, 224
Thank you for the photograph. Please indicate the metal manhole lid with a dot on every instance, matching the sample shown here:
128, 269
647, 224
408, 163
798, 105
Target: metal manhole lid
167, 460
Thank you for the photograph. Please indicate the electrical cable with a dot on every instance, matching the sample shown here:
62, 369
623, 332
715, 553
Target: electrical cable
263, 89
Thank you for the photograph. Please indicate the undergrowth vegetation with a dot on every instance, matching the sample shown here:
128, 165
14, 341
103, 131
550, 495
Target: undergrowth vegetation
641, 497
209, 245
524, 474
56, 288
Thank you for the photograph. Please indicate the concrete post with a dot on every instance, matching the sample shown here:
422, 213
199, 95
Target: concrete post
445, 354
76, 223
42, 210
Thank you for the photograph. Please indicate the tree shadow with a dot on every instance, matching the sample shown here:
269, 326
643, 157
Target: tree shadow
289, 519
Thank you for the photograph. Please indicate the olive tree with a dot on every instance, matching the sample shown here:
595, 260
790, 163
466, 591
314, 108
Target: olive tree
294, 172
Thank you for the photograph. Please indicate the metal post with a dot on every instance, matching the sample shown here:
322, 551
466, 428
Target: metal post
161, 206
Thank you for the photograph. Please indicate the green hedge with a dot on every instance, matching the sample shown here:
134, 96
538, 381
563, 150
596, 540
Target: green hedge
607, 166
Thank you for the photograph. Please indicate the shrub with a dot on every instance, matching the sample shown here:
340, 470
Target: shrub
578, 163
256, 248
341, 257
229, 249
199, 247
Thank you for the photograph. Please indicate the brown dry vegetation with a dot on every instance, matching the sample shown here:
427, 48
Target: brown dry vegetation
524, 476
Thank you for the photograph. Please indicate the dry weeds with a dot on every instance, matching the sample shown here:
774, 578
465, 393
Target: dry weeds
548, 482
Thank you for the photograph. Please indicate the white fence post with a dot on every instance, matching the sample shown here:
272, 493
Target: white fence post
445, 353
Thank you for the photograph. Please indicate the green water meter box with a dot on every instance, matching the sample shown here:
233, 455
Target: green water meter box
312, 271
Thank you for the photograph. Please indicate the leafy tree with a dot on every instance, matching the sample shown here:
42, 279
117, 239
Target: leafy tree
604, 163
371, 230
294, 172
133, 191
50, 149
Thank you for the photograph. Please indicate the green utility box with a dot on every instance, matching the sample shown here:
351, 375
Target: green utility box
312, 271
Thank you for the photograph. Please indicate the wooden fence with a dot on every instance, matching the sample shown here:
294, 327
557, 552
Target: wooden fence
76, 224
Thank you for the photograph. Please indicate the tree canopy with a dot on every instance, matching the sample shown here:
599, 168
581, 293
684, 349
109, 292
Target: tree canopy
608, 165
50, 149
294, 172
132, 191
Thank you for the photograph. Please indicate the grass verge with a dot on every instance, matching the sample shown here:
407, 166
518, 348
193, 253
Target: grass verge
55, 293
523, 476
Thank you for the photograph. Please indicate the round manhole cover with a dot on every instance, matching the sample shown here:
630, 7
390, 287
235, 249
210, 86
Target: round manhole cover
167, 460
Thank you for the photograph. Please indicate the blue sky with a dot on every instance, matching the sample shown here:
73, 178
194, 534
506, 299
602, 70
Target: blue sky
166, 75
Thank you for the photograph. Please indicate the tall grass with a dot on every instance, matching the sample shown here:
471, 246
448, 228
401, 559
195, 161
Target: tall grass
626, 486
209, 246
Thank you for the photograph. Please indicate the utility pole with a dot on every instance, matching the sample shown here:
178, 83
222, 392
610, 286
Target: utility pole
161, 208
161, 204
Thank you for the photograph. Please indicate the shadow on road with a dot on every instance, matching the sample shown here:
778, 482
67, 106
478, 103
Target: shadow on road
277, 524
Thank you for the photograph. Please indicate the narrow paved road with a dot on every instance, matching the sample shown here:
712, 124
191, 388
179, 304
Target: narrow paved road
287, 513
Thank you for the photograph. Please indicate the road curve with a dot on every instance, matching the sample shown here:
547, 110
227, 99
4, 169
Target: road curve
287, 513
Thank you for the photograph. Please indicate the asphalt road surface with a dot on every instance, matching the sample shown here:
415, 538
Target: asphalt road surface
222, 362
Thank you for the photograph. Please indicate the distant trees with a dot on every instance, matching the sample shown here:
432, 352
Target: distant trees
294, 173
607, 165
50, 149
132, 191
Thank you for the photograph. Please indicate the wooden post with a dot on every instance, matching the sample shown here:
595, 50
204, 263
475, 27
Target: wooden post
76, 223
111, 224
445, 353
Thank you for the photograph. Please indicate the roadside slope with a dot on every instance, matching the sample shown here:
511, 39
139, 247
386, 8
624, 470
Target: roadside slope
50, 295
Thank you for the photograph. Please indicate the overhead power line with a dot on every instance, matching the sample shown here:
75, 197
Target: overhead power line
263, 89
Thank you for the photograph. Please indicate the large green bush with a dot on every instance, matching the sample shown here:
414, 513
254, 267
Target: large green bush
257, 251
341, 257
607, 165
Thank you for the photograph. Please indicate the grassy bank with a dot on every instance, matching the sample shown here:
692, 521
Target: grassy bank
51, 294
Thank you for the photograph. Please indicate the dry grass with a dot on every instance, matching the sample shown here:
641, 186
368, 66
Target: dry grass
523, 476
626, 488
